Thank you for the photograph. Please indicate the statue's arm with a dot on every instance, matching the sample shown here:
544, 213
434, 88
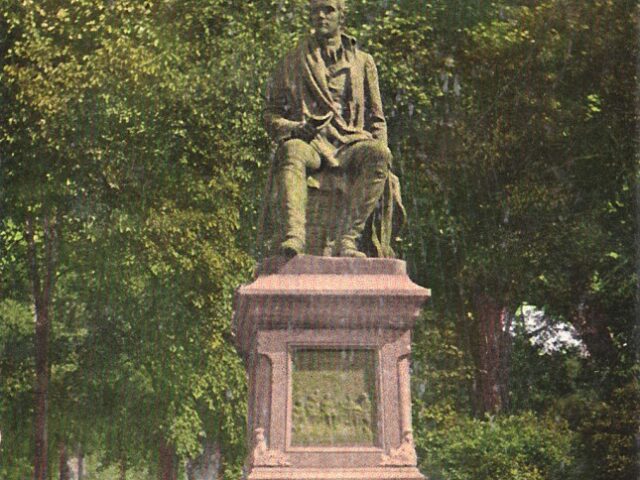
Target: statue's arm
277, 125
375, 121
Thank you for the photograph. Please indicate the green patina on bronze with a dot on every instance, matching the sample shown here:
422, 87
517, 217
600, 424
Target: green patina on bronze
330, 180
333, 398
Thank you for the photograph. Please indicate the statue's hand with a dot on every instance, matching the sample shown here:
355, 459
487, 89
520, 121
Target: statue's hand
304, 131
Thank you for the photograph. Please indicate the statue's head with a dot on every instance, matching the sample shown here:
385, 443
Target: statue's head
327, 16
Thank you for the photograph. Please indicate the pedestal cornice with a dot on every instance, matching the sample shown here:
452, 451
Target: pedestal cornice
327, 293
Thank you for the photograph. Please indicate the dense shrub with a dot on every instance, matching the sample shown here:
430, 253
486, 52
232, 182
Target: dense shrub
518, 447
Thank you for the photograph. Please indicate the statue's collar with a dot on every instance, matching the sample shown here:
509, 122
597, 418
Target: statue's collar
349, 44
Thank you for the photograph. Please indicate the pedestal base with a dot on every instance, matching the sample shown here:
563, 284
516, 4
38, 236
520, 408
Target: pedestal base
399, 473
327, 343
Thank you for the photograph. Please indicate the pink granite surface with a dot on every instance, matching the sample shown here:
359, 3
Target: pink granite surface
327, 292
335, 304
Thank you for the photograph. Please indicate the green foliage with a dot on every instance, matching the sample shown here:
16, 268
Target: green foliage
606, 430
538, 380
520, 447
111, 129
452, 444
16, 370
441, 370
137, 126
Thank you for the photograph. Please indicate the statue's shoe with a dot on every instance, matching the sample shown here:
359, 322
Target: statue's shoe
348, 249
352, 253
291, 247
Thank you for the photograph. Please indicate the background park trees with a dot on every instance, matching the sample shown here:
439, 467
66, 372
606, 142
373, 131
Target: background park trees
132, 160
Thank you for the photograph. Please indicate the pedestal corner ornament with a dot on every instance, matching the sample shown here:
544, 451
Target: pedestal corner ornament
326, 342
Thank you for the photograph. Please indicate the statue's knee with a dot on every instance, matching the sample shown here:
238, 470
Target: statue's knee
298, 154
382, 153
381, 157
376, 152
293, 146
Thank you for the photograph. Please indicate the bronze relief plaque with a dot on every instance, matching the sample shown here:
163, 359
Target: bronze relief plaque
333, 397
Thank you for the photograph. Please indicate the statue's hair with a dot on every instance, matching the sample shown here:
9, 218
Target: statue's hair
341, 4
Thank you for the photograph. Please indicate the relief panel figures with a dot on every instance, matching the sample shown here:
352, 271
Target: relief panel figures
333, 398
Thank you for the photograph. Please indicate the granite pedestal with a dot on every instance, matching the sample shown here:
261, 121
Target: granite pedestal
327, 343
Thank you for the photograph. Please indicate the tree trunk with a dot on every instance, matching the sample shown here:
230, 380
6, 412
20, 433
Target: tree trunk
218, 460
80, 464
63, 467
42, 289
41, 392
123, 469
207, 465
167, 466
593, 327
492, 355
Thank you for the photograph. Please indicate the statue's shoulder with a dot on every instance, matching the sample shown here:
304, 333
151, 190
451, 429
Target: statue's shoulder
293, 56
300, 49
360, 55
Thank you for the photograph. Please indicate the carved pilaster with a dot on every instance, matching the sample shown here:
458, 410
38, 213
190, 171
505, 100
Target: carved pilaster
262, 456
404, 455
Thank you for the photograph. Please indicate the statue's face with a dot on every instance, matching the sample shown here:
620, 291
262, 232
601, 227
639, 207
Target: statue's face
326, 17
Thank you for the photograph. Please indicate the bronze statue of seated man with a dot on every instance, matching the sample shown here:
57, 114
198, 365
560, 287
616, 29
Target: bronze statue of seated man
324, 111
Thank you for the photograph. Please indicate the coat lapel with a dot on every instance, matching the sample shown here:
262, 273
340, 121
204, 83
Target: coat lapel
314, 76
